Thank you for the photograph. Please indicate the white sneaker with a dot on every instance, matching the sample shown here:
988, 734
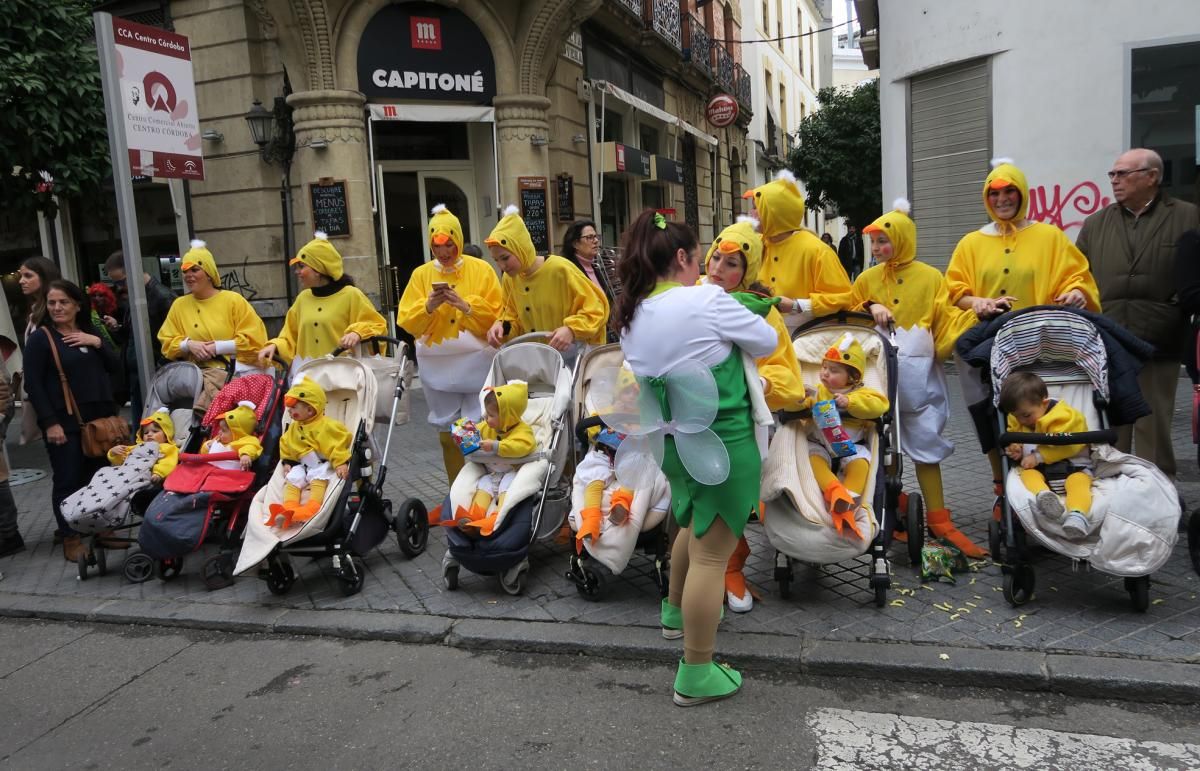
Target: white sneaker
1076, 525
739, 604
1050, 506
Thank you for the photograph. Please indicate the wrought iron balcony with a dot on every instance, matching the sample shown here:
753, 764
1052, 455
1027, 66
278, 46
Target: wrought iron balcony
699, 50
724, 68
633, 6
744, 90
665, 21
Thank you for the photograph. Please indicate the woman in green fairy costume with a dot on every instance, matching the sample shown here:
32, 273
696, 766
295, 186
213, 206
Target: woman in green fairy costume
666, 322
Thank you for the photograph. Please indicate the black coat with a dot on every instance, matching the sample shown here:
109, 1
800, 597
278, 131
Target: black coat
158, 305
1126, 354
89, 374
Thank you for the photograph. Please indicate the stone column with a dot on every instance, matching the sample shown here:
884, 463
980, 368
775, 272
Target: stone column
519, 118
335, 117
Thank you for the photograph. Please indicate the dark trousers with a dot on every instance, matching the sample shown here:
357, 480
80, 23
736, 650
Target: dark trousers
8, 512
72, 470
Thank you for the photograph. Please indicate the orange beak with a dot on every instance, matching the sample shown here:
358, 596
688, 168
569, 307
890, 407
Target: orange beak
1000, 184
290, 401
440, 239
729, 247
188, 265
748, 194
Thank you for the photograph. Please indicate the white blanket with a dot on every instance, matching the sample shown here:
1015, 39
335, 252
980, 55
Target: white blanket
616, 543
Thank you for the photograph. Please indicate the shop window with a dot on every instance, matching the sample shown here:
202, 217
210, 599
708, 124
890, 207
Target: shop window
406, 141
648, 87
614, 210
1164, 112
601, 63
612, 128
648, 138
653, 197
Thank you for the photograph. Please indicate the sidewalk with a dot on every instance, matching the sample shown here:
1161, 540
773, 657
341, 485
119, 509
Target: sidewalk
1079, 625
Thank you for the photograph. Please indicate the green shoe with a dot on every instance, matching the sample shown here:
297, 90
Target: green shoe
701, 683
672, 620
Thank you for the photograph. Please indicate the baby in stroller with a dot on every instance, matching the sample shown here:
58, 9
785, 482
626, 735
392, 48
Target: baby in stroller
841, 383
505, 435
1026, 400
313, 449
235, 434
156, 427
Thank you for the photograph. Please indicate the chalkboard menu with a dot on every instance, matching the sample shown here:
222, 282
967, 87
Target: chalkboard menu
565, 184
535, 211
330, 207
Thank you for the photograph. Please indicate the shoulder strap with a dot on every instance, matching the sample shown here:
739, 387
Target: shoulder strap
68, 396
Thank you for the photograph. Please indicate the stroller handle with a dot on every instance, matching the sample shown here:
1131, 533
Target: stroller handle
529, 337
1105, 436
374, 340
839, 316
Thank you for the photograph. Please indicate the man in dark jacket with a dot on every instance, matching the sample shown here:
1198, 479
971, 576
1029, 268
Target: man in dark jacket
850, 252
158, 304
1131, 247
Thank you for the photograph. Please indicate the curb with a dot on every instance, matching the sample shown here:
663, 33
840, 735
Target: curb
1104, 677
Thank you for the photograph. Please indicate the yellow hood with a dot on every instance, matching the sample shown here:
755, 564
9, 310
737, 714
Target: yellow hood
511, 400
780, 205
321, 256
161, 417
308, 392
849, 352
900, 230
199, 255
1004, 173
241, 420
444, 226
742, 236
511, 235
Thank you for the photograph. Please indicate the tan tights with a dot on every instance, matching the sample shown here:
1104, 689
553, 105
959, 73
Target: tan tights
698, 586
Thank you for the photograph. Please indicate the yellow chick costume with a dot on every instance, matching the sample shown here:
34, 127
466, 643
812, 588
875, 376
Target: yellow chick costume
1060, 418
314, 448
1031, 261
546, 297
514, 439
783, 384
241, 421
225, 318
801, 266
168, 453
321, 316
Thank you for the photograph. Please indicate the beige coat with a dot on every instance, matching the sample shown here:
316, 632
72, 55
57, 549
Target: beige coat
1138, 290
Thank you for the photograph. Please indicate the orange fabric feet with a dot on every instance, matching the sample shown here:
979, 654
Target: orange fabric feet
841, 508
941, 526
435, 515
589, 527
735, 579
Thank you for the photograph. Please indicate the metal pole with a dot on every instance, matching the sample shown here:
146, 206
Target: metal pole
118, 147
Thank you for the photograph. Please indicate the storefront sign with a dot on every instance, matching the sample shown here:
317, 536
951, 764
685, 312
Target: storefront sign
330, 207
535, 211
565, 189
426, 52
722, 110
623, 159
158, 101
666, 170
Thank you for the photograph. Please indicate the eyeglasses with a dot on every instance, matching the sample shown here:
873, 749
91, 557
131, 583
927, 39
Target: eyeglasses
592, 237
1123, 173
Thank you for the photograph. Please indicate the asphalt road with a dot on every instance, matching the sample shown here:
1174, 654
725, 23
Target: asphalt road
102, 696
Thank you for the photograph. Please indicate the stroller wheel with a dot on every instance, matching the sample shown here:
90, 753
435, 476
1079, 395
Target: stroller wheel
914, 525
101, 560
593, 585
411, 525
138, 568
1019, 584
513, 579
1193, 536
170, 569
353, 573
280, 576
1139, 592
450, 577
880, 585
82, 562
218, 572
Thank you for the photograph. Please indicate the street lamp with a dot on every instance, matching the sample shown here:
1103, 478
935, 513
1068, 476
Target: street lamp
272, 131
261, 124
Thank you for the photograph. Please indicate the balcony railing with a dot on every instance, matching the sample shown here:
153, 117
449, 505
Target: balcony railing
699, 50
665, 22
744, 89
633, 6
724, 67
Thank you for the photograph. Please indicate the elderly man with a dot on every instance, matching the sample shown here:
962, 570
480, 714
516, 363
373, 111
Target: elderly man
1131, 247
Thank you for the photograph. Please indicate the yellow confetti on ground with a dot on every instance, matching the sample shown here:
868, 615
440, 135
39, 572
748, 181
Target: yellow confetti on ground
897, 603
997, 588
927, 587
1159, 601
971, 605
1023, 616
977, 597
963, 610
1017, 624
955, 616
972, 581
1054, 588
944, 656
985, 610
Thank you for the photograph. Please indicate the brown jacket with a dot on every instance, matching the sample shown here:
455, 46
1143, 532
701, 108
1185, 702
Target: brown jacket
1138, 290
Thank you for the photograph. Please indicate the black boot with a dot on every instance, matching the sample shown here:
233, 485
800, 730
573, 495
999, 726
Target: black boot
11, 544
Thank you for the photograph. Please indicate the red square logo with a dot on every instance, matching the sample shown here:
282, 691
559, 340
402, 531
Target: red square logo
426, 33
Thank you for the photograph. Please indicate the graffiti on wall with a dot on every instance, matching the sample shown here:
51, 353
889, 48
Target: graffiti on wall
1065, 210
237, 282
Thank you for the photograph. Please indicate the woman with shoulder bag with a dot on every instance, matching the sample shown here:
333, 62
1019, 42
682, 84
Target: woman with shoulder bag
68, 376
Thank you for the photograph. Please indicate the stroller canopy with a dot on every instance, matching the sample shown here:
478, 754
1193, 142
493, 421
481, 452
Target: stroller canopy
1056, 340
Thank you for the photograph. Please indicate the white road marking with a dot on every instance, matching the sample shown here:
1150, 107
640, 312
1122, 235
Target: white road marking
853, 740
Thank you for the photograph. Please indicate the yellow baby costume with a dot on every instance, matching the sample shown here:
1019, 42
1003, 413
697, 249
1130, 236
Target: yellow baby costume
546, 297
1031, 261
514, 439
315, 449
865, 405
1060, 418
321, 316
241, 421
801, 266
225, 318
168, 453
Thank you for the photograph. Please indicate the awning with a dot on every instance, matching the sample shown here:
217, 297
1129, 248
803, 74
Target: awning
642, 105
433, 113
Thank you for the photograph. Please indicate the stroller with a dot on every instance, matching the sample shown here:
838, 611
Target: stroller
177, 386
536, 502
1136, 506
647, 526
355, 517
199, 500
796, 521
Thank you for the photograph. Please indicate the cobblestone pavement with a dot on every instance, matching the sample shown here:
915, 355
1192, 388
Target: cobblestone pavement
1076, 610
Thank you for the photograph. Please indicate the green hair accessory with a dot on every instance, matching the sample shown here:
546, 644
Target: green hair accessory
660, 221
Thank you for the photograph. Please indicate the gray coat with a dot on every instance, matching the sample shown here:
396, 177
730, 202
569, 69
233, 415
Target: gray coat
1138, 291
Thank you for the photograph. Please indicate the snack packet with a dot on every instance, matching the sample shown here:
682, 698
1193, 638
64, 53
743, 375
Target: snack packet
466, 435
827, 418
